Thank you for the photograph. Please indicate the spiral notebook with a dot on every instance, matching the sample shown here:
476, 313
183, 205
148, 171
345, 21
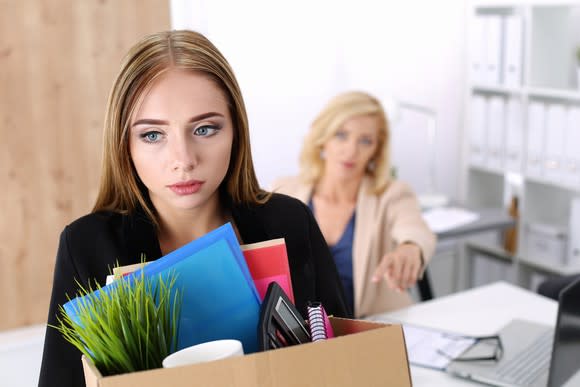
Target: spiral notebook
318, 322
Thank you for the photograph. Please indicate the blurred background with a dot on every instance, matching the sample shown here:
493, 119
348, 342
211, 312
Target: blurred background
58, 59
499, 81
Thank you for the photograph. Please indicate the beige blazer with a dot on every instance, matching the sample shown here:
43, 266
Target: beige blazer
382, 222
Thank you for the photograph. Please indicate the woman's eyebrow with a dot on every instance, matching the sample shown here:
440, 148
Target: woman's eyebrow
151, 121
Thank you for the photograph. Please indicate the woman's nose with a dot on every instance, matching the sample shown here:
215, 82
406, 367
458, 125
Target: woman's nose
351, 148
183, 155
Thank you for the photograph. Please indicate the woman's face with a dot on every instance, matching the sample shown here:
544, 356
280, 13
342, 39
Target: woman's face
348, 152
181, 141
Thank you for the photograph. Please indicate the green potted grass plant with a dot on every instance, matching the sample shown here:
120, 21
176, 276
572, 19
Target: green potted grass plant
128, 326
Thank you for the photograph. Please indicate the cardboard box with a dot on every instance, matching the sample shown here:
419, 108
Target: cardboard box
547, 243
365, 354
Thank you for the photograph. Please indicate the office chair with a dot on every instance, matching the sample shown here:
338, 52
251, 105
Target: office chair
552, 287
424, 285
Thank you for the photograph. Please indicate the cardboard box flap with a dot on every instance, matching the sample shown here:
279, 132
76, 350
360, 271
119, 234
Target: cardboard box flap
345, 326
92, 374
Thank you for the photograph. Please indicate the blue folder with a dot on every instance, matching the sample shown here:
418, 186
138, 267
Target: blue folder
220, 300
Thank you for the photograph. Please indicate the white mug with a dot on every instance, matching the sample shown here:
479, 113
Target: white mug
204, 352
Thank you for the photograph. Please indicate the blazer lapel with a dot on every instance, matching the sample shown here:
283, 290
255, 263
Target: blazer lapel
366, 207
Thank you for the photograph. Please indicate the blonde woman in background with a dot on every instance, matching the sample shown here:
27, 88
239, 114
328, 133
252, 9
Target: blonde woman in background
372, 223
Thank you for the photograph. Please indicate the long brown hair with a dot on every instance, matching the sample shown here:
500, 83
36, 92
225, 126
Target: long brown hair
120, 188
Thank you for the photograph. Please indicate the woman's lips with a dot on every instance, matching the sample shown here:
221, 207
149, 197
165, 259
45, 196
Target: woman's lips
348, 165
186, 187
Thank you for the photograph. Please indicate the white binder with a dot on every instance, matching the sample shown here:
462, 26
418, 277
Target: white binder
477, 50
493, 44
478, 140
555, 133
495, 131
536, 126
514, 136
572, 147
573, 256
512, 64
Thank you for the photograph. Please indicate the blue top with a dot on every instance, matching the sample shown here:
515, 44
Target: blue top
342, 254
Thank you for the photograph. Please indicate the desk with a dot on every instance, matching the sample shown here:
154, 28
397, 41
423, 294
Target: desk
452, 267
479, 311
490, 219
20, 355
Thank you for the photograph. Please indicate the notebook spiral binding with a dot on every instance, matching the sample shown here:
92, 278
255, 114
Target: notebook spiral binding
316, 322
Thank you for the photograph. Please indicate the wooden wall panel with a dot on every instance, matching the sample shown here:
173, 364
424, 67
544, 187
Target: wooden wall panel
58, 59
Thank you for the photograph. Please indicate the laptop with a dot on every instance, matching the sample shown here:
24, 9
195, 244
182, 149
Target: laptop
533, 354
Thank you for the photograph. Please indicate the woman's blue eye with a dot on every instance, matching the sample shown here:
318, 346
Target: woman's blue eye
151, 136
366, 141
340, 134
205, 131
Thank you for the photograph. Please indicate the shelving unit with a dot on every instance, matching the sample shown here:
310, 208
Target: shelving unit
523, 122
495, 89
551, 93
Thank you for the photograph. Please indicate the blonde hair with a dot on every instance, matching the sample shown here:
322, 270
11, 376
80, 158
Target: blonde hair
340, 109
120, 188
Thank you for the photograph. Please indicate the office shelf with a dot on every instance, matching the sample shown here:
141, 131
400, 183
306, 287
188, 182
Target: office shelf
496, 89
553, 183
504, 135
548, 267
484, 168
495, 251
559, 94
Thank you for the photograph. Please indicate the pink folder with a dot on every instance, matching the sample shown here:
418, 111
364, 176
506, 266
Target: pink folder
268, 262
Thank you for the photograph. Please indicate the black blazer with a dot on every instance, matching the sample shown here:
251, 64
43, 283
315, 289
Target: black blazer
92, 245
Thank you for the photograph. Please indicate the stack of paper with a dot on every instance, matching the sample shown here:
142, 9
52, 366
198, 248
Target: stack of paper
432, 348
447, 218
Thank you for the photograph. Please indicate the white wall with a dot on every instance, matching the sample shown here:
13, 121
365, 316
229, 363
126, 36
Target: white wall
291, 57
